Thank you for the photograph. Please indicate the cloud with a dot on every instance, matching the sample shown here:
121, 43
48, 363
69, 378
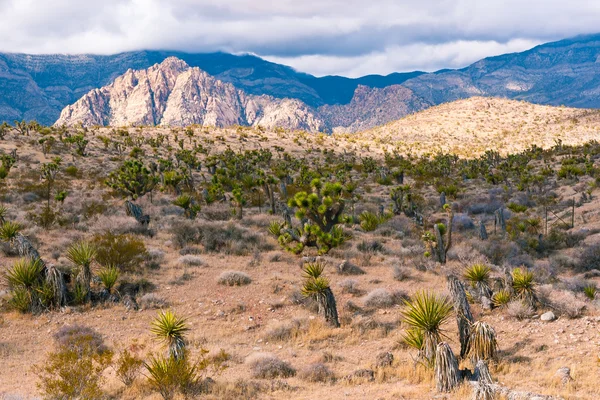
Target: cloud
350, 37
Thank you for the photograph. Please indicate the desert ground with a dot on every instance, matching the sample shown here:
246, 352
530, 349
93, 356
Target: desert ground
374, 273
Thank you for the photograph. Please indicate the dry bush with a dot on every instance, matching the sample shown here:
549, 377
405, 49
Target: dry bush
317, 372
383, 298
76, 336
363, 325
234, 278
151, 301
285, 331
268, 366
401, 273
518, 310
563, 301
217, 212
191, 261
125, 252
116, 224
349, 286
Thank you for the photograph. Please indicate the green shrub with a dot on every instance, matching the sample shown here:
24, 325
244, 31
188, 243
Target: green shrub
121, 251
71, 170
76, 369
128, 367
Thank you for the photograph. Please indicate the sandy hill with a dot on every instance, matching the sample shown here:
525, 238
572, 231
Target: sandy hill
471, 126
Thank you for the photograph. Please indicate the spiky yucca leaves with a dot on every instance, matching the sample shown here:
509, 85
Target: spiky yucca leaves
317, 287
370, 221
275, 228
590, 291
109, 276
9, 230
524, 285
171, 329
427, 313
25, 279
3, 212
169, 374
414, 338
447, 374
501, 298
185, 201
478, 276
482, 343
82, 254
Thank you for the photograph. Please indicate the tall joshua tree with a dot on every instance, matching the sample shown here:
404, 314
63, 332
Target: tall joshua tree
317, 287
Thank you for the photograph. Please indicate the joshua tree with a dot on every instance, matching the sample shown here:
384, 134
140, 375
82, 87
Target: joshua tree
482, 343
425, 313
440, 240
80, 143
447, 374
320, 213
170, 329
239, 200
398, 195
133, 179
464, 318
49, 172
317, 287
82, 254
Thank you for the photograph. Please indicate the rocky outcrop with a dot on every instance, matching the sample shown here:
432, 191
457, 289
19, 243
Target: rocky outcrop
174, 94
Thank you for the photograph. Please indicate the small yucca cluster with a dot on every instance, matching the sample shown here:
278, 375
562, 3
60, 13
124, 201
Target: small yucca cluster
317, 287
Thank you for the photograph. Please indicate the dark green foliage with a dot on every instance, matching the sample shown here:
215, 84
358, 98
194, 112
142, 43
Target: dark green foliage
132, 179
124, 252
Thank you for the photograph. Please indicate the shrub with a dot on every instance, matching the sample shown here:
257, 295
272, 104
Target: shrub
349, 286
122, 251
590, 291
370, 221
400, 273
108, 276
9, 230
590, 258
317, 372
518, 310
234, 278
168, 374
151, 300
383, 298
128, 367
286, 331
524, 285
76, 369
191, 260
267, 366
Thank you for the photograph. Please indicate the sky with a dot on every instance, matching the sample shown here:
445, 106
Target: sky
322, 37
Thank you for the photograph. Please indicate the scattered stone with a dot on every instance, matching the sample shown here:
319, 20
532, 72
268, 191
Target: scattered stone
347, 268
384, 359
563, 374
130, 303
486, 303
548, 316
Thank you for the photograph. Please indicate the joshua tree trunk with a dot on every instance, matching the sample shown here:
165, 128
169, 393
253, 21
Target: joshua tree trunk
482, 231
500, 221
483, 389
464, 318
85, 280
328, 308
442, 199
447, 374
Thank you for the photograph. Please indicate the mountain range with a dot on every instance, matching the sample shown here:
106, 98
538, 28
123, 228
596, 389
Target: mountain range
566, 72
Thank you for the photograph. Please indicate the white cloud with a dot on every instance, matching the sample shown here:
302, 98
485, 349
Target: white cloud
350, 37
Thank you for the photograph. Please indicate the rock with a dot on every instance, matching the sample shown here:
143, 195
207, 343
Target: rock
347, 268
486, 303
384, 359
130, 303
563, 374
548, 316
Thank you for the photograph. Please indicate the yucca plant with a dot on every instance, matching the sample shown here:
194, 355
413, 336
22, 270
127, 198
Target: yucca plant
427, 313
168, 374
414, 338
109, 276
590, 291
9, 230
524, 285
482, 343
317, 287
370, 221
171, 329
20, 300
3, 212
447, 374
275, 228
478, 276
82, 254
501, 298
25, 273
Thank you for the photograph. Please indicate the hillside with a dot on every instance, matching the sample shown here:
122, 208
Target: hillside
471, 126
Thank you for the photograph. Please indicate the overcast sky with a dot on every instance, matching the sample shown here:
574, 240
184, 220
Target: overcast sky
343, 37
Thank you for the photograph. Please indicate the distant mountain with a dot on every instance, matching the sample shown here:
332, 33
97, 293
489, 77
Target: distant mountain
174, 94
40, 86
564, 72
